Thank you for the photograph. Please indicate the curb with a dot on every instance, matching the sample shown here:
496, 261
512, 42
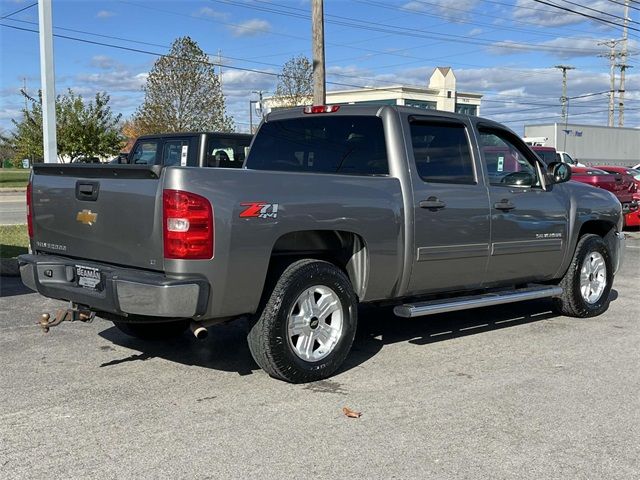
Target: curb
12, 189
9, 267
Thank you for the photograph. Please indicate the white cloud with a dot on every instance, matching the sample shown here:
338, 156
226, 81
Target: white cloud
208, 12
251, 28
562, 47
447, 8
104, 62
548, 16
105, 14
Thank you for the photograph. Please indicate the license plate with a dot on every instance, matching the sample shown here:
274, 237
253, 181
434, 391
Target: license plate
88, 277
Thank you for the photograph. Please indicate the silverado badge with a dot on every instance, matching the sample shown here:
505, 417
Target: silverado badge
87, 217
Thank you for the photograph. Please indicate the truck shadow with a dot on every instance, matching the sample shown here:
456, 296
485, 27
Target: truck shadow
226, 348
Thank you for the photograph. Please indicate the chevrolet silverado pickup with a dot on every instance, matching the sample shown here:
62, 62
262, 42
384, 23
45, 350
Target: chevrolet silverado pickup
335, 206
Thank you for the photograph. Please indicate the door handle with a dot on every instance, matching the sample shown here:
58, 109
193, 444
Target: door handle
432, 203
504, 204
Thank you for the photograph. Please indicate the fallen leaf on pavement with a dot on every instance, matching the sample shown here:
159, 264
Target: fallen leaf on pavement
351, 413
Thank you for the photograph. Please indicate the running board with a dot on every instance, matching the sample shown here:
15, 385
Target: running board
432, 307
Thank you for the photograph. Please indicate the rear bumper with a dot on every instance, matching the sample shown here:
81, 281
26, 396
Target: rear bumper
122, 291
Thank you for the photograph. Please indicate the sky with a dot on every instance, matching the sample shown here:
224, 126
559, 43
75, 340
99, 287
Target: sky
505, 50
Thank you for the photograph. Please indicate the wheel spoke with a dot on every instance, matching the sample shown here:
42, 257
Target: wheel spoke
308, 345
327, 304
324, 334
297, 324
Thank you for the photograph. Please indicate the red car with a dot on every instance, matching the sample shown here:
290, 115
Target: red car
632, 218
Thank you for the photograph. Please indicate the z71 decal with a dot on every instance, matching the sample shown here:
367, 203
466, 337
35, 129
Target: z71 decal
259, 210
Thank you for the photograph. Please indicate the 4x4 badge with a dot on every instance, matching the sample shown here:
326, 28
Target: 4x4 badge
87, 217
259, 210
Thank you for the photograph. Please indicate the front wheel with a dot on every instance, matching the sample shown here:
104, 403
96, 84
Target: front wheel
306, 327
587, 282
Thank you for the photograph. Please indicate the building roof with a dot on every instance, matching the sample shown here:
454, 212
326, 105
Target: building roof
444, 70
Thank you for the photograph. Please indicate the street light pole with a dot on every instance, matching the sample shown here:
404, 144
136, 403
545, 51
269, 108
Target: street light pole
47, 76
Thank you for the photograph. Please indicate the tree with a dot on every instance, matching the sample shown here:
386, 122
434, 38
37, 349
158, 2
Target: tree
82, 129
183, 93
295, 83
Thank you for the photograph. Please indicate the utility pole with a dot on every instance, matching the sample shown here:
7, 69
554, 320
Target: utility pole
220, 67
317, 30
47, 76
563, 98
612, 55
623, 64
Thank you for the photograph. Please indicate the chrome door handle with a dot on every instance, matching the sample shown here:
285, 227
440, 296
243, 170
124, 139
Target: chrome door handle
504, 204
432, 203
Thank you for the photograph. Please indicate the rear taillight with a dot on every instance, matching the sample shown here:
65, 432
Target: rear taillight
30, 209
187, 226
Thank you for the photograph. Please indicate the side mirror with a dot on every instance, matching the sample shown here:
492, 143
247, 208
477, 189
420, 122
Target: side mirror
559, 172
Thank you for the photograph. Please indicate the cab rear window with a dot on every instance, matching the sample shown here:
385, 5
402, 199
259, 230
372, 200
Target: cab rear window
321, 144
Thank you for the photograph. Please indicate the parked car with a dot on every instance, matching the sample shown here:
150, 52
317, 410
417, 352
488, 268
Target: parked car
632, 217
621, 185
86, 160
425, 210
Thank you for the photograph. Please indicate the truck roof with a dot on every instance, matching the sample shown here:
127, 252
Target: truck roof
298, 112
182, 134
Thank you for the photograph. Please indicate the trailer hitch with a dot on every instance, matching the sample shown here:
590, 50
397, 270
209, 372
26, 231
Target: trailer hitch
73, 314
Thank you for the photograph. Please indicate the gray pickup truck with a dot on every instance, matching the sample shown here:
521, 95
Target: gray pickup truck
336, 206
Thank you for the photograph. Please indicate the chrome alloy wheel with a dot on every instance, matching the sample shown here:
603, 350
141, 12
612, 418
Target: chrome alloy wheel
593, 277
315, 323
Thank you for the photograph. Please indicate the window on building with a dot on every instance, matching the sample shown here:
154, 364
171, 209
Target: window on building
427, 105
345, 144
441, 152
467, 109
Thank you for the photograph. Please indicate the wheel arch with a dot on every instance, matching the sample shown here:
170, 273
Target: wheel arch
347, 250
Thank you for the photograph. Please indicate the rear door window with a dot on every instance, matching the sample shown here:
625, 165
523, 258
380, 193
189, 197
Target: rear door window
322, 144
175, 152
441, 152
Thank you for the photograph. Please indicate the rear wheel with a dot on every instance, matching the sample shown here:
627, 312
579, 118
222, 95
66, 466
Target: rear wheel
587, 282
306, 327
153, 330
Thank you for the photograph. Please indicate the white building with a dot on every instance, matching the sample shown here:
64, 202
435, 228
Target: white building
590, 144
440, 94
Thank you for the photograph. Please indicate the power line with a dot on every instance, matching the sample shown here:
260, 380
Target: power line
601, 12
18, 11
586, 15
397, 29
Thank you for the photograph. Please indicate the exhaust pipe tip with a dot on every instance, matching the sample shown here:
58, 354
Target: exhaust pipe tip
199, 331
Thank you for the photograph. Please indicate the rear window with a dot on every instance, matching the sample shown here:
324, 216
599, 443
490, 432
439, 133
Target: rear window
321, 144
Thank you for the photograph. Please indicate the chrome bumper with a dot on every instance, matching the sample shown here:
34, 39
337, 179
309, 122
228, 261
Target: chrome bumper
123, 291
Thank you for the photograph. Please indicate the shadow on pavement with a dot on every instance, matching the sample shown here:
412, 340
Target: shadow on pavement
226, 349
12, 286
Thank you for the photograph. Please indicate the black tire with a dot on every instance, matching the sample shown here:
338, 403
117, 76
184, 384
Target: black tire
153, 330
572, 303
269, 339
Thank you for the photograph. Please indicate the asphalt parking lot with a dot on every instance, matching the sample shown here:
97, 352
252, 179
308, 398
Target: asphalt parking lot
501, 392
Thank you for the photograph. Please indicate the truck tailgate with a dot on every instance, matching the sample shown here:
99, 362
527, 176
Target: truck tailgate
103, 213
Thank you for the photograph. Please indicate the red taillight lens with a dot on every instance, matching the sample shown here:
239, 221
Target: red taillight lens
30, 210
321, 109
187, 225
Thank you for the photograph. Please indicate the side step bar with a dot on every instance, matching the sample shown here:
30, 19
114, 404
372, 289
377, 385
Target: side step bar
432, 307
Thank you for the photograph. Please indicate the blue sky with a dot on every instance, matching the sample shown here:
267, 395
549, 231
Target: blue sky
504, 49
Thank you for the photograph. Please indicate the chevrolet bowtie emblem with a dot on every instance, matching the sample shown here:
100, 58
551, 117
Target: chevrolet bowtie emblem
87, 217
